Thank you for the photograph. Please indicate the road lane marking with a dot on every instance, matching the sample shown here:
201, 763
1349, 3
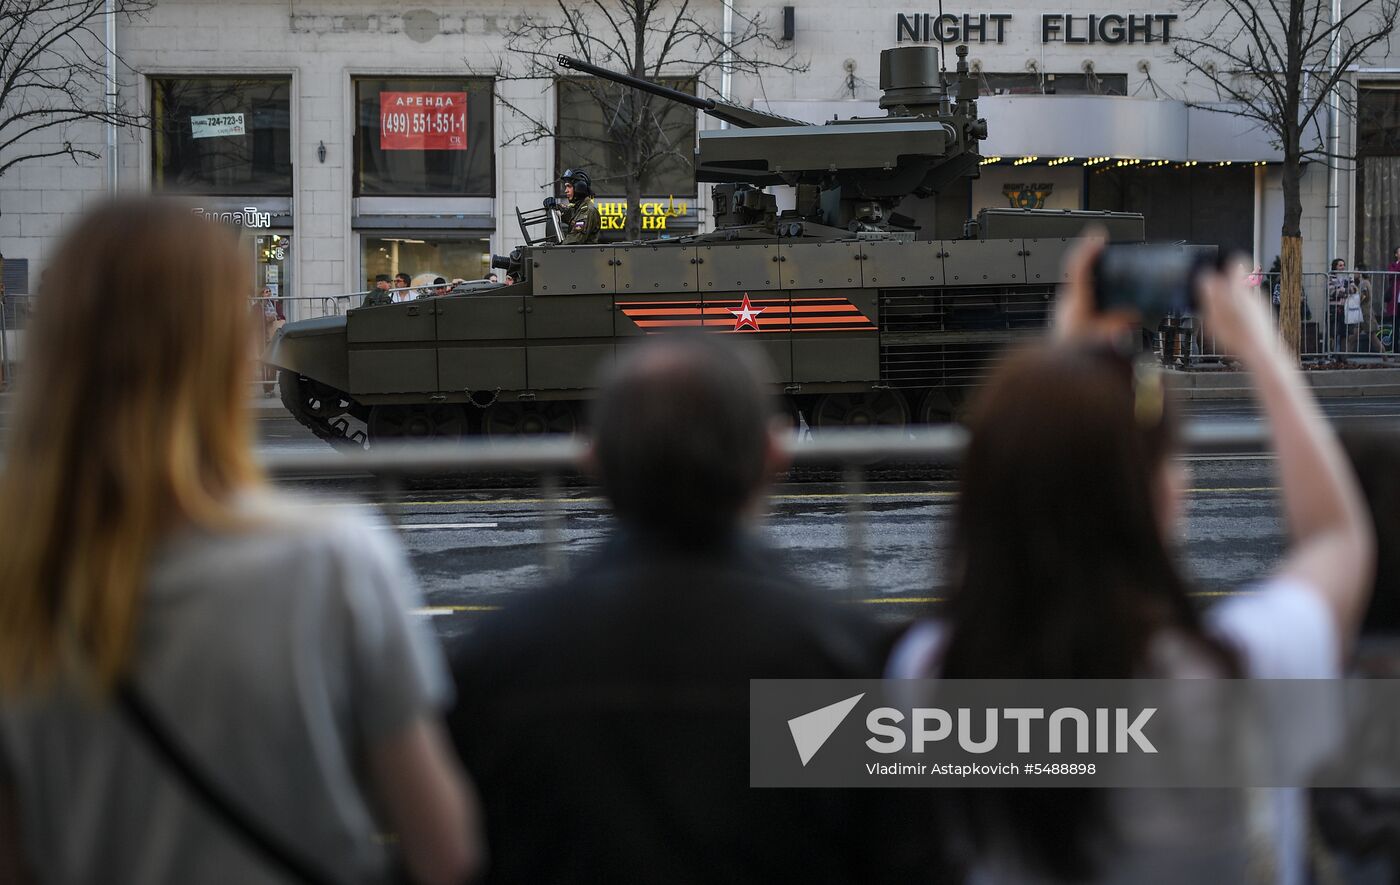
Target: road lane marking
1234, 489
1206, 594
503, 501
424, 526
822, 496
839, 496
436, 611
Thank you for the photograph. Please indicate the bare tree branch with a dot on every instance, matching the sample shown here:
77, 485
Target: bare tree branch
1265, 56
52, 55
627, 135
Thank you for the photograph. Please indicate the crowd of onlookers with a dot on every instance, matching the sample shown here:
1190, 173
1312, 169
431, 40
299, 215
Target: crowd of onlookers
1359, 307
204, 680
404, 287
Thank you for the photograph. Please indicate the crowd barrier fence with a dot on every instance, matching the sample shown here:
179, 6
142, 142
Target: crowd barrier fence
14, 318
551, 459
1347, 317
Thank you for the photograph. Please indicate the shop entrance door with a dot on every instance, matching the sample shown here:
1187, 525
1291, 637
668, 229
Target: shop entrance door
272, 277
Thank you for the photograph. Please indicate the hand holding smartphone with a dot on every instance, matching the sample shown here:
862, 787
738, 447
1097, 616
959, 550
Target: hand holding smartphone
1152, 280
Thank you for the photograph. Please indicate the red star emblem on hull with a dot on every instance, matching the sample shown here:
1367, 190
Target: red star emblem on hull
746, 315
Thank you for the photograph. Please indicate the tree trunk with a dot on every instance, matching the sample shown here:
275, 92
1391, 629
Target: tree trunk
1291, 257
1290, 312
634, 193
632, 150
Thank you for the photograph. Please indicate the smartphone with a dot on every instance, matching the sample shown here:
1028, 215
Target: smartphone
1154, 280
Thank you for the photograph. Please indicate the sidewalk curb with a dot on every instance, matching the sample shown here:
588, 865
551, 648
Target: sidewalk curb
1325, 383
1188, 385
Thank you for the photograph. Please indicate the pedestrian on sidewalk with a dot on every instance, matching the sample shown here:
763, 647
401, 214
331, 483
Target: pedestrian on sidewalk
1353, 314
272, 322
1340, 287
1068, 573
578, 703
1368, 339
187, 658
1392, 299
1360, 826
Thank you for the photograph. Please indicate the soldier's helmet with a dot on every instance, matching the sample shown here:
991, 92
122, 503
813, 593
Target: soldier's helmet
583, 185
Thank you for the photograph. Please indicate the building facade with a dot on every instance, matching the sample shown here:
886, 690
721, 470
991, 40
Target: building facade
349, 139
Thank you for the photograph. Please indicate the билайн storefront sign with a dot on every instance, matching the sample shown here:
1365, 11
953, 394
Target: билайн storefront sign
1055, 27
248, 217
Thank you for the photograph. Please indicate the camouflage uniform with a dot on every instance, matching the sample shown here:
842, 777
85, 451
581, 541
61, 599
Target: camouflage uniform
581, 222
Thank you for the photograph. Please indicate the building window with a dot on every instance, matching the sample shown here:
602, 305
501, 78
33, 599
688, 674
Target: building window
222, 135
1377, 176
594, 133
424, 137
1028, 83
466, 258
15, 278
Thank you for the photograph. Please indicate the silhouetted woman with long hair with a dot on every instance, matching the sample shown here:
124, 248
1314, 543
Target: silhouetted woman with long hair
1067, 513
144, 556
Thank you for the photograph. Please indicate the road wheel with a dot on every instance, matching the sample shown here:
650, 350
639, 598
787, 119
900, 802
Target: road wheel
874, 408
416, 422
937, 407
530, 419
311, 397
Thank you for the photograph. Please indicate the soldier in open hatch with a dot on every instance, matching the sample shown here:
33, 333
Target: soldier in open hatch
578, 215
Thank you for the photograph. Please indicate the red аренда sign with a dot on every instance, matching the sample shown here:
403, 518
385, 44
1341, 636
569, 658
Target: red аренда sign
423, 121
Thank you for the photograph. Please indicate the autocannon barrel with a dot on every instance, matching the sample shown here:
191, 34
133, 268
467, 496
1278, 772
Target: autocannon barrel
704, 104
735, 115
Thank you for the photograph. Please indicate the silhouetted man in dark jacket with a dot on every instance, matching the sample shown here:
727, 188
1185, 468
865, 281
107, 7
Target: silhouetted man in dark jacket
606, 719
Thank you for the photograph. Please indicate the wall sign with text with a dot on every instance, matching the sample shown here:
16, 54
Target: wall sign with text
216, 125
655, 212
248, 217
423, 121
1055, 27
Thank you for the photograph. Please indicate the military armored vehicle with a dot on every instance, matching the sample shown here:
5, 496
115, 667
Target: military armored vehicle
866, 319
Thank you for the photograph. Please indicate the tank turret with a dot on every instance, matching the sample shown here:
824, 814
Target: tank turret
849, 174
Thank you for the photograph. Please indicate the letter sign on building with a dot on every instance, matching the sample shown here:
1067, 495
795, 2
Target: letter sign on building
423, 121
1111, 28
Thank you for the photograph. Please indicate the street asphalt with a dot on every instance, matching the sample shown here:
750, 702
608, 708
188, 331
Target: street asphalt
476, 551
479, 549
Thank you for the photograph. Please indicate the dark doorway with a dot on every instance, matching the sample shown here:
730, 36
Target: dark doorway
1207, 205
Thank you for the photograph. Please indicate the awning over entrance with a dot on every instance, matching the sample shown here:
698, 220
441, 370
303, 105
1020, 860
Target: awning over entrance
474, 214
1081, 127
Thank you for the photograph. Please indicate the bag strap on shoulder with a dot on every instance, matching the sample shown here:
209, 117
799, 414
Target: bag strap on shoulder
269, 846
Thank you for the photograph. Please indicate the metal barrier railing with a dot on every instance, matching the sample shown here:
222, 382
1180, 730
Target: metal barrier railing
550, 459
1347, 316
271, 311
16, 309
14, 318
305, 307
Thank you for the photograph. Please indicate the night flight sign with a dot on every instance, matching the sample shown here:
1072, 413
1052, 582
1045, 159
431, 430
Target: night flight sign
1055, 27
